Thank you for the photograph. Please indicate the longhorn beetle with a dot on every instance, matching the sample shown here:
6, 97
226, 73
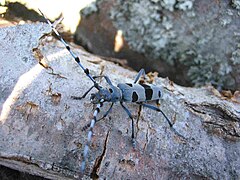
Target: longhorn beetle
123, 92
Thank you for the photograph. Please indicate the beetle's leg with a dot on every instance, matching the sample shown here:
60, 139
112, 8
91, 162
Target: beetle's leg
140, 73
131, 117
105, 115
159, 110
83, 96
106, 78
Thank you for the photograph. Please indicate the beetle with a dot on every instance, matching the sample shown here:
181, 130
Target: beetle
139, 93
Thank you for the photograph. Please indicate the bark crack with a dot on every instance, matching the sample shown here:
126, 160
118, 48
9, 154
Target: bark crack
146, 142
218, 119
28, 114
98, 162
28, 160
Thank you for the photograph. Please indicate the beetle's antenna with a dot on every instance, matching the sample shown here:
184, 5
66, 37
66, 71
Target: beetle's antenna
76, 58
90, 133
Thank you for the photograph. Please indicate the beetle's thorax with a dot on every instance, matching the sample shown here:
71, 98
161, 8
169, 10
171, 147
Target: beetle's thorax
113, 94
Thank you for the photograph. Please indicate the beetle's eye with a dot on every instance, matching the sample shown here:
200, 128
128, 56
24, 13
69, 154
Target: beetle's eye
111, 91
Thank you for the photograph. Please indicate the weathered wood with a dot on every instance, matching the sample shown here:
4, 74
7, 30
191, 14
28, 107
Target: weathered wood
41, 126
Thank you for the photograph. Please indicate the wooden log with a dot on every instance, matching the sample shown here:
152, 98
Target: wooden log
41, 127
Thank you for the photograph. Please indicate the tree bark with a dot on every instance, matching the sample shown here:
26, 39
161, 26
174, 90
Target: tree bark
41, 127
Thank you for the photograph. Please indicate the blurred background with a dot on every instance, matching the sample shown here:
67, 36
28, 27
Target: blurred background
23, 11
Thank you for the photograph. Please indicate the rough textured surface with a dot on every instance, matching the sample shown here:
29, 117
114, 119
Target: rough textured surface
191, 42
10, 174
97, 34
41, 126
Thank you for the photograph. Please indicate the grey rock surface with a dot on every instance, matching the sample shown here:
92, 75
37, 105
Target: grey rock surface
191, 42
41, 127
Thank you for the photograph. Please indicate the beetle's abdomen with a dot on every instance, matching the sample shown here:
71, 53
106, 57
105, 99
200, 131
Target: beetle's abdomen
139, 92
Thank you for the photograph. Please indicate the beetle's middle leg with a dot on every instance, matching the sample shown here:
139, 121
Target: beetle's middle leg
131, 117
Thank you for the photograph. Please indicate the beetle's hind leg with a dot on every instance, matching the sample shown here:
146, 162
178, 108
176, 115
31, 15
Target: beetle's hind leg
167, 119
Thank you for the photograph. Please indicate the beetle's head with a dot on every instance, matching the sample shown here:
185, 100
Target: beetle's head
101, 94
113, 94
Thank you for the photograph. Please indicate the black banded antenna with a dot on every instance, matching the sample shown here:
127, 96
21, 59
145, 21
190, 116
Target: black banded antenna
76, 58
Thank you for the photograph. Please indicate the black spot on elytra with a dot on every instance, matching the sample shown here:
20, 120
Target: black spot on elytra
159, 93
148, 94
148, 91
129, 84
134, 97
145, 86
